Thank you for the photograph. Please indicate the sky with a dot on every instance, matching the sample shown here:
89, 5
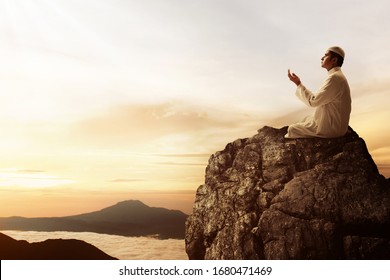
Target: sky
108, 100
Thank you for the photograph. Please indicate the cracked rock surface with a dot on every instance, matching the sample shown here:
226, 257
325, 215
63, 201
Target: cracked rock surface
267, 197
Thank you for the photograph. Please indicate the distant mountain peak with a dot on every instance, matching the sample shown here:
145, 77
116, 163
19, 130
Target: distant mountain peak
132, 202
129, 203
127, 218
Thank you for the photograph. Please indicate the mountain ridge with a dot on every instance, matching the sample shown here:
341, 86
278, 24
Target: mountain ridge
126, 218
127, 208
51, 249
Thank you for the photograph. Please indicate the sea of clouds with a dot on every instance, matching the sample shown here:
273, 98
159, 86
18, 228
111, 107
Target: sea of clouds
121, 247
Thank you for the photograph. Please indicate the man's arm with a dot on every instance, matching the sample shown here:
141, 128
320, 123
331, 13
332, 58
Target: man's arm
326, 94
294, 78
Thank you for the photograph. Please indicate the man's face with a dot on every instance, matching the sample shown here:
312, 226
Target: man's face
327, 61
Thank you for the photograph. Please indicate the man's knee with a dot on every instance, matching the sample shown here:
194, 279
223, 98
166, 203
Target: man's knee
290, 131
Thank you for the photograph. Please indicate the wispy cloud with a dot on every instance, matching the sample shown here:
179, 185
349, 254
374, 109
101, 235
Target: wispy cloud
136, 124
182, 155
30, 179
181, 163
126, 180
31, 171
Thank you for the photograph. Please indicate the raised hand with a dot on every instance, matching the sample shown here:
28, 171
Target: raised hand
294, 78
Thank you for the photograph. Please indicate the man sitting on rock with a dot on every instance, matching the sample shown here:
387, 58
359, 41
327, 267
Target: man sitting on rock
332, 101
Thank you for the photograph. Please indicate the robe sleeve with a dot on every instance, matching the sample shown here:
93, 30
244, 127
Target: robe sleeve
327, 93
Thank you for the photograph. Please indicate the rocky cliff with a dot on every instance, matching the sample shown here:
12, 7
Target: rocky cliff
267, 197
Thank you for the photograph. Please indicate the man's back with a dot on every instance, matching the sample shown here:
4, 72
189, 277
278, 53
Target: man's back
333, 117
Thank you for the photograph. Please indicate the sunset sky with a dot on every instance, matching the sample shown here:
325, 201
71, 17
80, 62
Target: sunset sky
108, 100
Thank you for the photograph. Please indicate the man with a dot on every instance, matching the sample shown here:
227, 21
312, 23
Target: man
332, 101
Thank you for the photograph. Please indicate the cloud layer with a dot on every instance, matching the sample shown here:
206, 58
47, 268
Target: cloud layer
123, 248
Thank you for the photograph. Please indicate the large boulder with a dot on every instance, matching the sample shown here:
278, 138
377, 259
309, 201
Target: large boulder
267, 197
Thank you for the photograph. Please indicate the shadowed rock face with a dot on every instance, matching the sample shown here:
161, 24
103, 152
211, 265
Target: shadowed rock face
268, 197
51, 249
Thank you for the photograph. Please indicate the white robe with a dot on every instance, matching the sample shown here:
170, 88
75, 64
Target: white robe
333, 108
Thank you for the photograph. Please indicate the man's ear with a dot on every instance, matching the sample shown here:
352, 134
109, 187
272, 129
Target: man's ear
334, 60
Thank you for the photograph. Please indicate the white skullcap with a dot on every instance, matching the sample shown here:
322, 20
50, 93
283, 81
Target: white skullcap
337, 50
